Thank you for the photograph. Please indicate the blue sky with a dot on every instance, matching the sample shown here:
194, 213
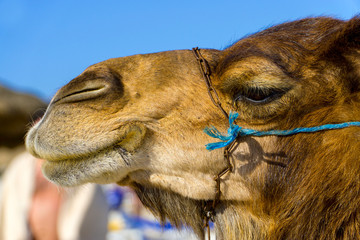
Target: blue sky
44, 44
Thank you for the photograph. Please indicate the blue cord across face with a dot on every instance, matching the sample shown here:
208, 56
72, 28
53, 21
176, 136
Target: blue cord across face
234, 131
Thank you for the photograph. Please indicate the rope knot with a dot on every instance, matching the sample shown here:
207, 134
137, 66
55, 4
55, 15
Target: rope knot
232, 133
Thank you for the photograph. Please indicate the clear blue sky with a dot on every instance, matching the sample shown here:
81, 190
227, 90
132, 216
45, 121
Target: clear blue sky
44, 44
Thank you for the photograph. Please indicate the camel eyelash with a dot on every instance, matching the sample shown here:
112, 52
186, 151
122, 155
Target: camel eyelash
257, 95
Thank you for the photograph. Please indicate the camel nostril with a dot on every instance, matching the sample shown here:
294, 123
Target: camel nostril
94, 82
86, 93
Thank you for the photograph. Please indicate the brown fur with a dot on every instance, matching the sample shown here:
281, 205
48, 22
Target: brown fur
147, 113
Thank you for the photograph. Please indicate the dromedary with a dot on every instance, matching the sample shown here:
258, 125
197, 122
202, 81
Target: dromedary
139, 121
17, 110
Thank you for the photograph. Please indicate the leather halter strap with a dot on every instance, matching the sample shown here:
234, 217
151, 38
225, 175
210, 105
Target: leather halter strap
210, 206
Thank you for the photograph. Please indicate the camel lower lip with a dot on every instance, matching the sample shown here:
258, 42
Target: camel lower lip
110, 165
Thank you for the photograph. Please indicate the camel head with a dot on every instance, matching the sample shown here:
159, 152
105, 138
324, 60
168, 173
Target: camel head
139, 120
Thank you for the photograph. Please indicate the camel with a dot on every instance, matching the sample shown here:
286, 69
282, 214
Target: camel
139, 120
17, 110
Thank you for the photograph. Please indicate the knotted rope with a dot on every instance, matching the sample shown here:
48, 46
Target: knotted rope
234, 131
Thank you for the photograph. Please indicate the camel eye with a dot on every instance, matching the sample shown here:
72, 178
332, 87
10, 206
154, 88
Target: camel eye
259, 95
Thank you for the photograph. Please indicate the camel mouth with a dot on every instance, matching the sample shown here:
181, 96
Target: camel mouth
133, 136
126, 139
112, 164
73, 165
89, 155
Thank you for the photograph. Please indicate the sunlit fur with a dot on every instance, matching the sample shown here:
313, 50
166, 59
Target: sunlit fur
139, 121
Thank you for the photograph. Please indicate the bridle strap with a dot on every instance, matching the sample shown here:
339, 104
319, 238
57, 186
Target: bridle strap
210, 206
206, 72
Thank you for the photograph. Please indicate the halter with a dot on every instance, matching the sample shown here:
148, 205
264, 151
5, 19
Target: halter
234, 131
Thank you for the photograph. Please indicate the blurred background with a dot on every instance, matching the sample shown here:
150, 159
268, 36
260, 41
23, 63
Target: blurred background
44, 44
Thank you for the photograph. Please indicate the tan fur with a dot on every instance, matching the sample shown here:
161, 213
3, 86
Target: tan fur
138, 121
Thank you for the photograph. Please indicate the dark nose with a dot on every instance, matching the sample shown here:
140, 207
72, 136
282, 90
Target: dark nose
93, 83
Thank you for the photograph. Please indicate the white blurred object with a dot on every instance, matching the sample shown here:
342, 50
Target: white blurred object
82, 215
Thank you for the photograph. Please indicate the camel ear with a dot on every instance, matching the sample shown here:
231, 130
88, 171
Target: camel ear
344, 39
343, 48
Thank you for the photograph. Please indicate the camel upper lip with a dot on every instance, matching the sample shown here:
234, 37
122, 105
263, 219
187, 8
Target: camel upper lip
37, 148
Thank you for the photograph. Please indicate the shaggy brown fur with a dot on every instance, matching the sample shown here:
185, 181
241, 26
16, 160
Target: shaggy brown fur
147, 113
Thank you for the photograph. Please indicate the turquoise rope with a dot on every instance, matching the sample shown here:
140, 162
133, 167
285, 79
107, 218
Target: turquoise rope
234, 131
